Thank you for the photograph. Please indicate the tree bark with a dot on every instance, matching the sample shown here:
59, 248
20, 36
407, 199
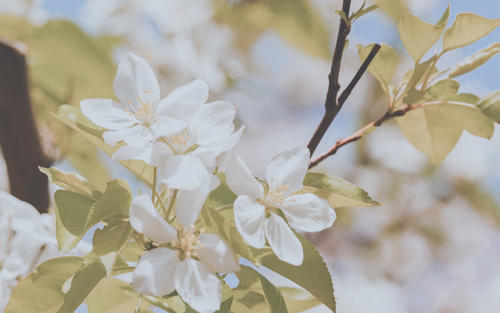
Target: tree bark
19, 139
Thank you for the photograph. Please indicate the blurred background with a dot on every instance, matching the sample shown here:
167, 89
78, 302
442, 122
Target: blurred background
434, 244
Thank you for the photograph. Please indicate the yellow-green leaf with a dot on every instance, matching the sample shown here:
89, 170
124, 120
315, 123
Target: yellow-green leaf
490, 105
338, 192
297, 300
273, 295
431, 130
42, 290
441, 89
72, 210
472, 119
312, 275
435, 129
475, 60
82, 283
467, 29
112, 296
418, 36
113, 237
70, 182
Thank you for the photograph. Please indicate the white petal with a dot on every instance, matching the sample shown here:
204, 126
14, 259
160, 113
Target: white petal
239, 178
214, 121
155, 271
196, 285
283, 241
19, 208
209, 153
249, 216
107, 113
167, 126
146, 220
217, 255
288, 169
185, 172
144, 153
308, 212
136, 80
183, 102
159, 154
136, 135
189, 203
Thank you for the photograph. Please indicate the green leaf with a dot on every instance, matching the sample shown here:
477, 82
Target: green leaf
114, 201
418, 73
74, 118
72, 210
297, 300
431, 130
418, 36
338, 192
435, 129
472, 119
113, 237
77, 213
82, 284
467, 29
249, 301
441, 89
313, 275
220, 196
490, 105
383, 65
463, 97
70, 182
112, 296
273, 295
42, 290
476, 60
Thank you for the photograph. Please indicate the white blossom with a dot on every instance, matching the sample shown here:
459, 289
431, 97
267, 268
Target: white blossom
255, 208
25, 241
187, 258
181, 133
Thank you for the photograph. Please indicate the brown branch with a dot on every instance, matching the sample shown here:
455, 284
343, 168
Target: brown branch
18, 133
332, 104
361, 132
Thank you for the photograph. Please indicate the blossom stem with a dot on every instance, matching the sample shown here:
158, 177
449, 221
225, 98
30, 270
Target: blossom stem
155, 172
171, 206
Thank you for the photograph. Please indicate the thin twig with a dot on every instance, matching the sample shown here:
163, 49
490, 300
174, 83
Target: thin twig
331, 107
362, 131
355, 80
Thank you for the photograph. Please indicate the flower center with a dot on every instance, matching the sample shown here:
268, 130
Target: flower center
183, 141
188, 242
274, 196
146, 110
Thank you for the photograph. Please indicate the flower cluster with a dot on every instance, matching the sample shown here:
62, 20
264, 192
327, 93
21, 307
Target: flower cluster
187, 141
